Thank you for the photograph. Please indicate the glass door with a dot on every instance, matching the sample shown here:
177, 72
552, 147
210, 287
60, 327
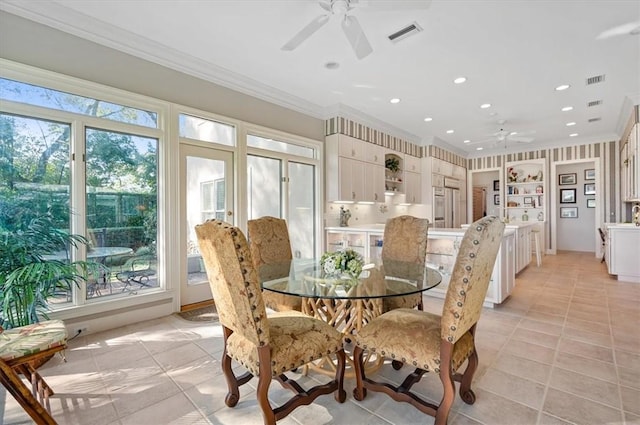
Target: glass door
274, 183
207, 188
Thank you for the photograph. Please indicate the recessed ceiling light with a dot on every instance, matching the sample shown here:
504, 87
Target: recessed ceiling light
479, 149
485, 105
573, 134
428, 119
567, 108
466, 141
395, 100
449, 131
562, 87
569, 124
332, 65
460, 80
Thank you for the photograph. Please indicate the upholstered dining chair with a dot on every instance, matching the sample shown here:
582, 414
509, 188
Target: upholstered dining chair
271, 252
431, 342
404, 241
266, 346
20, 349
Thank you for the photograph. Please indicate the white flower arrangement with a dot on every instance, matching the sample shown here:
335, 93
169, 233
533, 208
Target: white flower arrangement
337, 264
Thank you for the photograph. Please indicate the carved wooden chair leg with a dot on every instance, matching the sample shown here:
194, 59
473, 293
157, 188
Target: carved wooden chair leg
359, 392
448, 385
262, 392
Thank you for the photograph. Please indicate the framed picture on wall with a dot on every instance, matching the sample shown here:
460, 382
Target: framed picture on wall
496, 199
567, 196
565, 179
568, 212
527, 201
496, 185
589, 188
591, 203
590, 174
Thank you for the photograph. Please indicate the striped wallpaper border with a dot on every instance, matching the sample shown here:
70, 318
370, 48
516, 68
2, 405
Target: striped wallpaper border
341, 125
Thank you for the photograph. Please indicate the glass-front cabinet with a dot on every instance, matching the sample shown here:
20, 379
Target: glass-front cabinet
367, 242
525, 191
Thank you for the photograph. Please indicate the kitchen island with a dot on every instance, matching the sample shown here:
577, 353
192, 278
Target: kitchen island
442, 250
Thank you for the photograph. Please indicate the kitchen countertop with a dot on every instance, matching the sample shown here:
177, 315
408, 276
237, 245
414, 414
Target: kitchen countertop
379, 228
622, 225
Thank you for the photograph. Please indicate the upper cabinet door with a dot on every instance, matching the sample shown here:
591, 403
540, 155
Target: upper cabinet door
348, 147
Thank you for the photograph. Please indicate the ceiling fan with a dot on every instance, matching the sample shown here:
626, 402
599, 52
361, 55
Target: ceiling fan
350, 24
504, 136
631, 28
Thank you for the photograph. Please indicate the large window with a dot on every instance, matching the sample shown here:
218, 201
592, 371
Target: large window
42, 162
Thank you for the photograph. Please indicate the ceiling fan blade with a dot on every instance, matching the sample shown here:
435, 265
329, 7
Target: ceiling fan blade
356, 37
625, 29
520, 139
306, 32
392, 5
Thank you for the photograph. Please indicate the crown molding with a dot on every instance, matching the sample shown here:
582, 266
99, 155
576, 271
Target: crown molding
86, 27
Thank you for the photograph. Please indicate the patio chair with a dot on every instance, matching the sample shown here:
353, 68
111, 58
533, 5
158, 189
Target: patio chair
20, 348
271, 252
138, 270
431, 342
266, 346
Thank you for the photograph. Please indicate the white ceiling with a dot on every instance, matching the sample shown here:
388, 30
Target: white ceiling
513, 54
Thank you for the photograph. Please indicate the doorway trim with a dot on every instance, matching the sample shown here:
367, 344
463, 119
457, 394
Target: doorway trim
553, 204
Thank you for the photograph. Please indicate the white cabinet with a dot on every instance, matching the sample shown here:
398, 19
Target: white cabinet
374, 183
348, 174
525, 191
413, 187
622, 259
442, 250
412, 164
522, 247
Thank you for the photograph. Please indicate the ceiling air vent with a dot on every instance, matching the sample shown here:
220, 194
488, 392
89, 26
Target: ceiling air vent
594, 119
595, 80
594, 103
405, 32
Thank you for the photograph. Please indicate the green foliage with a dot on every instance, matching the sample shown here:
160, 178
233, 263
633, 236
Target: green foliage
31, 270
392, 164
338, 263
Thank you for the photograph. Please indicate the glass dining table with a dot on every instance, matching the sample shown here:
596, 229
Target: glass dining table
347, 303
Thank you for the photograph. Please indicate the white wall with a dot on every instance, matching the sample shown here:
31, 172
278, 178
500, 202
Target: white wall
575, 234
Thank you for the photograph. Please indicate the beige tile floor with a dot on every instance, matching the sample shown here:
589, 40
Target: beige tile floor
563, 349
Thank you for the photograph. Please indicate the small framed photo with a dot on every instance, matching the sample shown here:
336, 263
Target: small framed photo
568, 212
591, 203
496, 199
527, 201
567, 196
496, 185
590, 174
589, 188
565, 179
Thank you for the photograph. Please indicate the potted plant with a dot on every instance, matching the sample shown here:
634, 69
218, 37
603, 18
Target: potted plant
32, 270
392, 164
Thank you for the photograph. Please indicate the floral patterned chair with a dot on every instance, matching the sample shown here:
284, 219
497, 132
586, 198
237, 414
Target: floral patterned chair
20, 348
405, 241
271, 252
437, 343
266, 346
